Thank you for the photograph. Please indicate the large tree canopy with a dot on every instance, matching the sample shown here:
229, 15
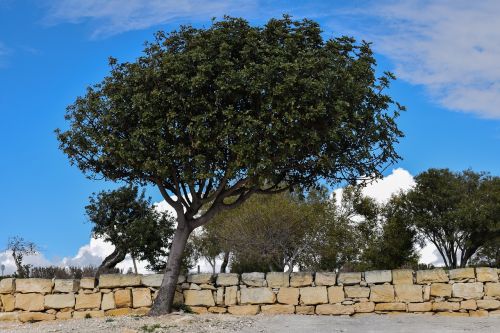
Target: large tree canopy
206, 114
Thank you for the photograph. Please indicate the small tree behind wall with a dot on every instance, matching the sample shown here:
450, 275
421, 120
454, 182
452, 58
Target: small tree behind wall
214, 115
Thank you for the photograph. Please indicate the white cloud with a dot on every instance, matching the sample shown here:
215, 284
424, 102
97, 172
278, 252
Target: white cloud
450, 47
110, 17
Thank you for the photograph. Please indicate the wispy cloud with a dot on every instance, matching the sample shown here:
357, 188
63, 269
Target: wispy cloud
110, 17
451, 47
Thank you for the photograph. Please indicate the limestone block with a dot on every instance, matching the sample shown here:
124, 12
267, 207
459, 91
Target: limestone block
141, 297
357, 292
199, 309
219, 296
66, 285
230, 296
64, 315
468, 290
59, 301
349, 278
199, 297
402, 276
34, 286
228, 279
408, 293
420, 307
29, 302
304, 309
313, 295
35, 316
217, 309
432, 275
119, 280
364, 307
478, 313
441, 289
469, 304
325, 279
390, 307
9, 302
301, 279
118, 312
88, 301
335, 294
194, 286
427, 293
108, 302
488, 304
486, 274
242, 310
452, 314
378, 276
89, 313
277, 279
123, 298
334, 309
492, 289
254, 279
288, 296
87, 283
257, 296
462, 273
382, 293
277, 309
9, 316
152, 280
445, 306
178, 297
7, 286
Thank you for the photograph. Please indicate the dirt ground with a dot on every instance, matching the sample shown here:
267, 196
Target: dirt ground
262, 323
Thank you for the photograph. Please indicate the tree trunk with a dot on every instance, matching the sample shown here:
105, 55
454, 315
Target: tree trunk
163, 303
135, 264
111, 261
225, 261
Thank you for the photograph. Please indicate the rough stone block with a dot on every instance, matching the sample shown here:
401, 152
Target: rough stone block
88, 301
336, 294
43, 286
119, 280
478, 313
29, 302
64, 315
217, 309
357, 292
402, 276
118, 312
257, 296
59, 301
141, 297
152, 280
461, 273
378, 276
89, 313
432, 275
469, 304
390, 307
288, 296
87, 283
9, 302
219, 296
304, 309
488, 304
242, 310
492, 289
486, 274
313, 295
301, 279
468, 290
364, 307
199, 297
108, 302
325, 279
452, 314
66, 285
334, 309
445, 306
277, 309
7, 286
408, 293
382, 293
9, 316
35, 316
228, 279
441, 289
277, 279
230, 296
123, 298
254, 279
199, 309
420, 307
349, 278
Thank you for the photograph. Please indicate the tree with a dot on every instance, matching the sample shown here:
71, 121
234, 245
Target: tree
459, 212
20, 249
126, 219
214, 115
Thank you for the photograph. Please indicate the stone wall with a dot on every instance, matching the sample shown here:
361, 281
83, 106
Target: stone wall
458, 292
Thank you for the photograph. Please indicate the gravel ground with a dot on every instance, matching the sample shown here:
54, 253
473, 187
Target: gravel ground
275, 324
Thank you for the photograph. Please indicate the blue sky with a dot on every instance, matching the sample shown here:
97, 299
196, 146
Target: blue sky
445, 54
